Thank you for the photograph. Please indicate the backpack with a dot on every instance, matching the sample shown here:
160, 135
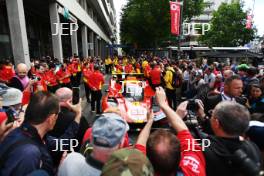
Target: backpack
176, 80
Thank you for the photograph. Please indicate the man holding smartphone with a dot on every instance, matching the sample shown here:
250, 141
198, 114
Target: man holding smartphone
96, 82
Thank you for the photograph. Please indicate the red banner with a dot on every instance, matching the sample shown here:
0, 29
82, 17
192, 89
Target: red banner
249, 22
175, 11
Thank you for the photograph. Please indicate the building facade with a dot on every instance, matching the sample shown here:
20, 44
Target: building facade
59, 28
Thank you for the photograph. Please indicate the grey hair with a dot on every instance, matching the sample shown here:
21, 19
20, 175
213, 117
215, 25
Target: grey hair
64, 94
233, 117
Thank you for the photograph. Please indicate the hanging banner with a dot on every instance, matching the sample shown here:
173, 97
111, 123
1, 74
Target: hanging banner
249, 22
175, 11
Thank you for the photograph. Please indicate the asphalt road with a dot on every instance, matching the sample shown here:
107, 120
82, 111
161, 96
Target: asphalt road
86, 107
91, 116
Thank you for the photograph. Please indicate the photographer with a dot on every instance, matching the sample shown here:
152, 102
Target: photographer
229, 153
169, 153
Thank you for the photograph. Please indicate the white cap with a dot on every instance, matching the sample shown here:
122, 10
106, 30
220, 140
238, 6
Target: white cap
12, 97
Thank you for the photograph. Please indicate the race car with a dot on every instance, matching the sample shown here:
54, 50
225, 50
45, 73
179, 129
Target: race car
132, 95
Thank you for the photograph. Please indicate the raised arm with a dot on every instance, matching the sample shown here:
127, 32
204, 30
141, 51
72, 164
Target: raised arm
175, 118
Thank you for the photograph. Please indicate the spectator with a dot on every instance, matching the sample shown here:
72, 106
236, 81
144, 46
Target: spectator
21, 80
5, 127
128, 162
255, 133
199, 81
166, 153
155, 76
25, 149
233, 89
170, 90
12, 106
256, 99
65, 118
227, 74
108, 133
250, 79
229, 122
209, 77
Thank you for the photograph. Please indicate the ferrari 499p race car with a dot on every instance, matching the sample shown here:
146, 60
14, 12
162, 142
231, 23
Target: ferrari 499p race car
132, 95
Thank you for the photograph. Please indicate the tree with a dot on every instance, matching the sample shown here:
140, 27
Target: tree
228, 27
147, 23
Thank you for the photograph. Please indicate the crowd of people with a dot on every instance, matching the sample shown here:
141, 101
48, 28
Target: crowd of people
42, 132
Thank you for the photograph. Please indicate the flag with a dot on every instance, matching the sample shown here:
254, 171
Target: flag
175, 11
249, 22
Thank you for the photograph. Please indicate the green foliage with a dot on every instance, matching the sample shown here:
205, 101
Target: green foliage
146, 23
228, 27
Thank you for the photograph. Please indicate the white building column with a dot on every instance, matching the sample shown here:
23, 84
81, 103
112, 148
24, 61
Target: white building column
56, 39
91, 41
74, 42
18, 32
84, 34
96, 45
84, 42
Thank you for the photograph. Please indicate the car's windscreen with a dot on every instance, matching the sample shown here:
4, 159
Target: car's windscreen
133, 91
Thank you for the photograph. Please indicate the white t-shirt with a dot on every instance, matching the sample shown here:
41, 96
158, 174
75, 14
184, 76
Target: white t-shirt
75, 164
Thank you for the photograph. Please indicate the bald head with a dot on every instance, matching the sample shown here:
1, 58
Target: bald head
228, 73
64, 94
22, 70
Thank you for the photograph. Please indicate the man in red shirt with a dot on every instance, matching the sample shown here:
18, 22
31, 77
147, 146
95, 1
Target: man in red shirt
53, 84
6, 72
73, 68
41, 79
86, 75
129, 68
63, 75
155, 76
96, 82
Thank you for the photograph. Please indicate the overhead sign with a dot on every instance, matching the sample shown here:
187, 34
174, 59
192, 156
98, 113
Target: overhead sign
175, 11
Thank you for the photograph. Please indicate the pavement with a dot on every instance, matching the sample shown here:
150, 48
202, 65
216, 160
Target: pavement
86, 107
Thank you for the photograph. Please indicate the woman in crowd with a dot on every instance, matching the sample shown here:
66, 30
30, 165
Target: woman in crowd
256, 99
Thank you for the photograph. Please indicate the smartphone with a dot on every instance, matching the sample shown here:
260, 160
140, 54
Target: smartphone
10, 116
75, 95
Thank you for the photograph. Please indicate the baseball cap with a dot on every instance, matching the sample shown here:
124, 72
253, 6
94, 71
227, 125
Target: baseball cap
12, 96
108, 130
243, 67
3, 89
128, 162
256, 133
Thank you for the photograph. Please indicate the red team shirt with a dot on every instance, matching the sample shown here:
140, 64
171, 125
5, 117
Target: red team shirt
155, 75
192, 161
96, 80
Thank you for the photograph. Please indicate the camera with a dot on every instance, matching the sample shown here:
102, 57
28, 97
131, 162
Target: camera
34, 77
192, 105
